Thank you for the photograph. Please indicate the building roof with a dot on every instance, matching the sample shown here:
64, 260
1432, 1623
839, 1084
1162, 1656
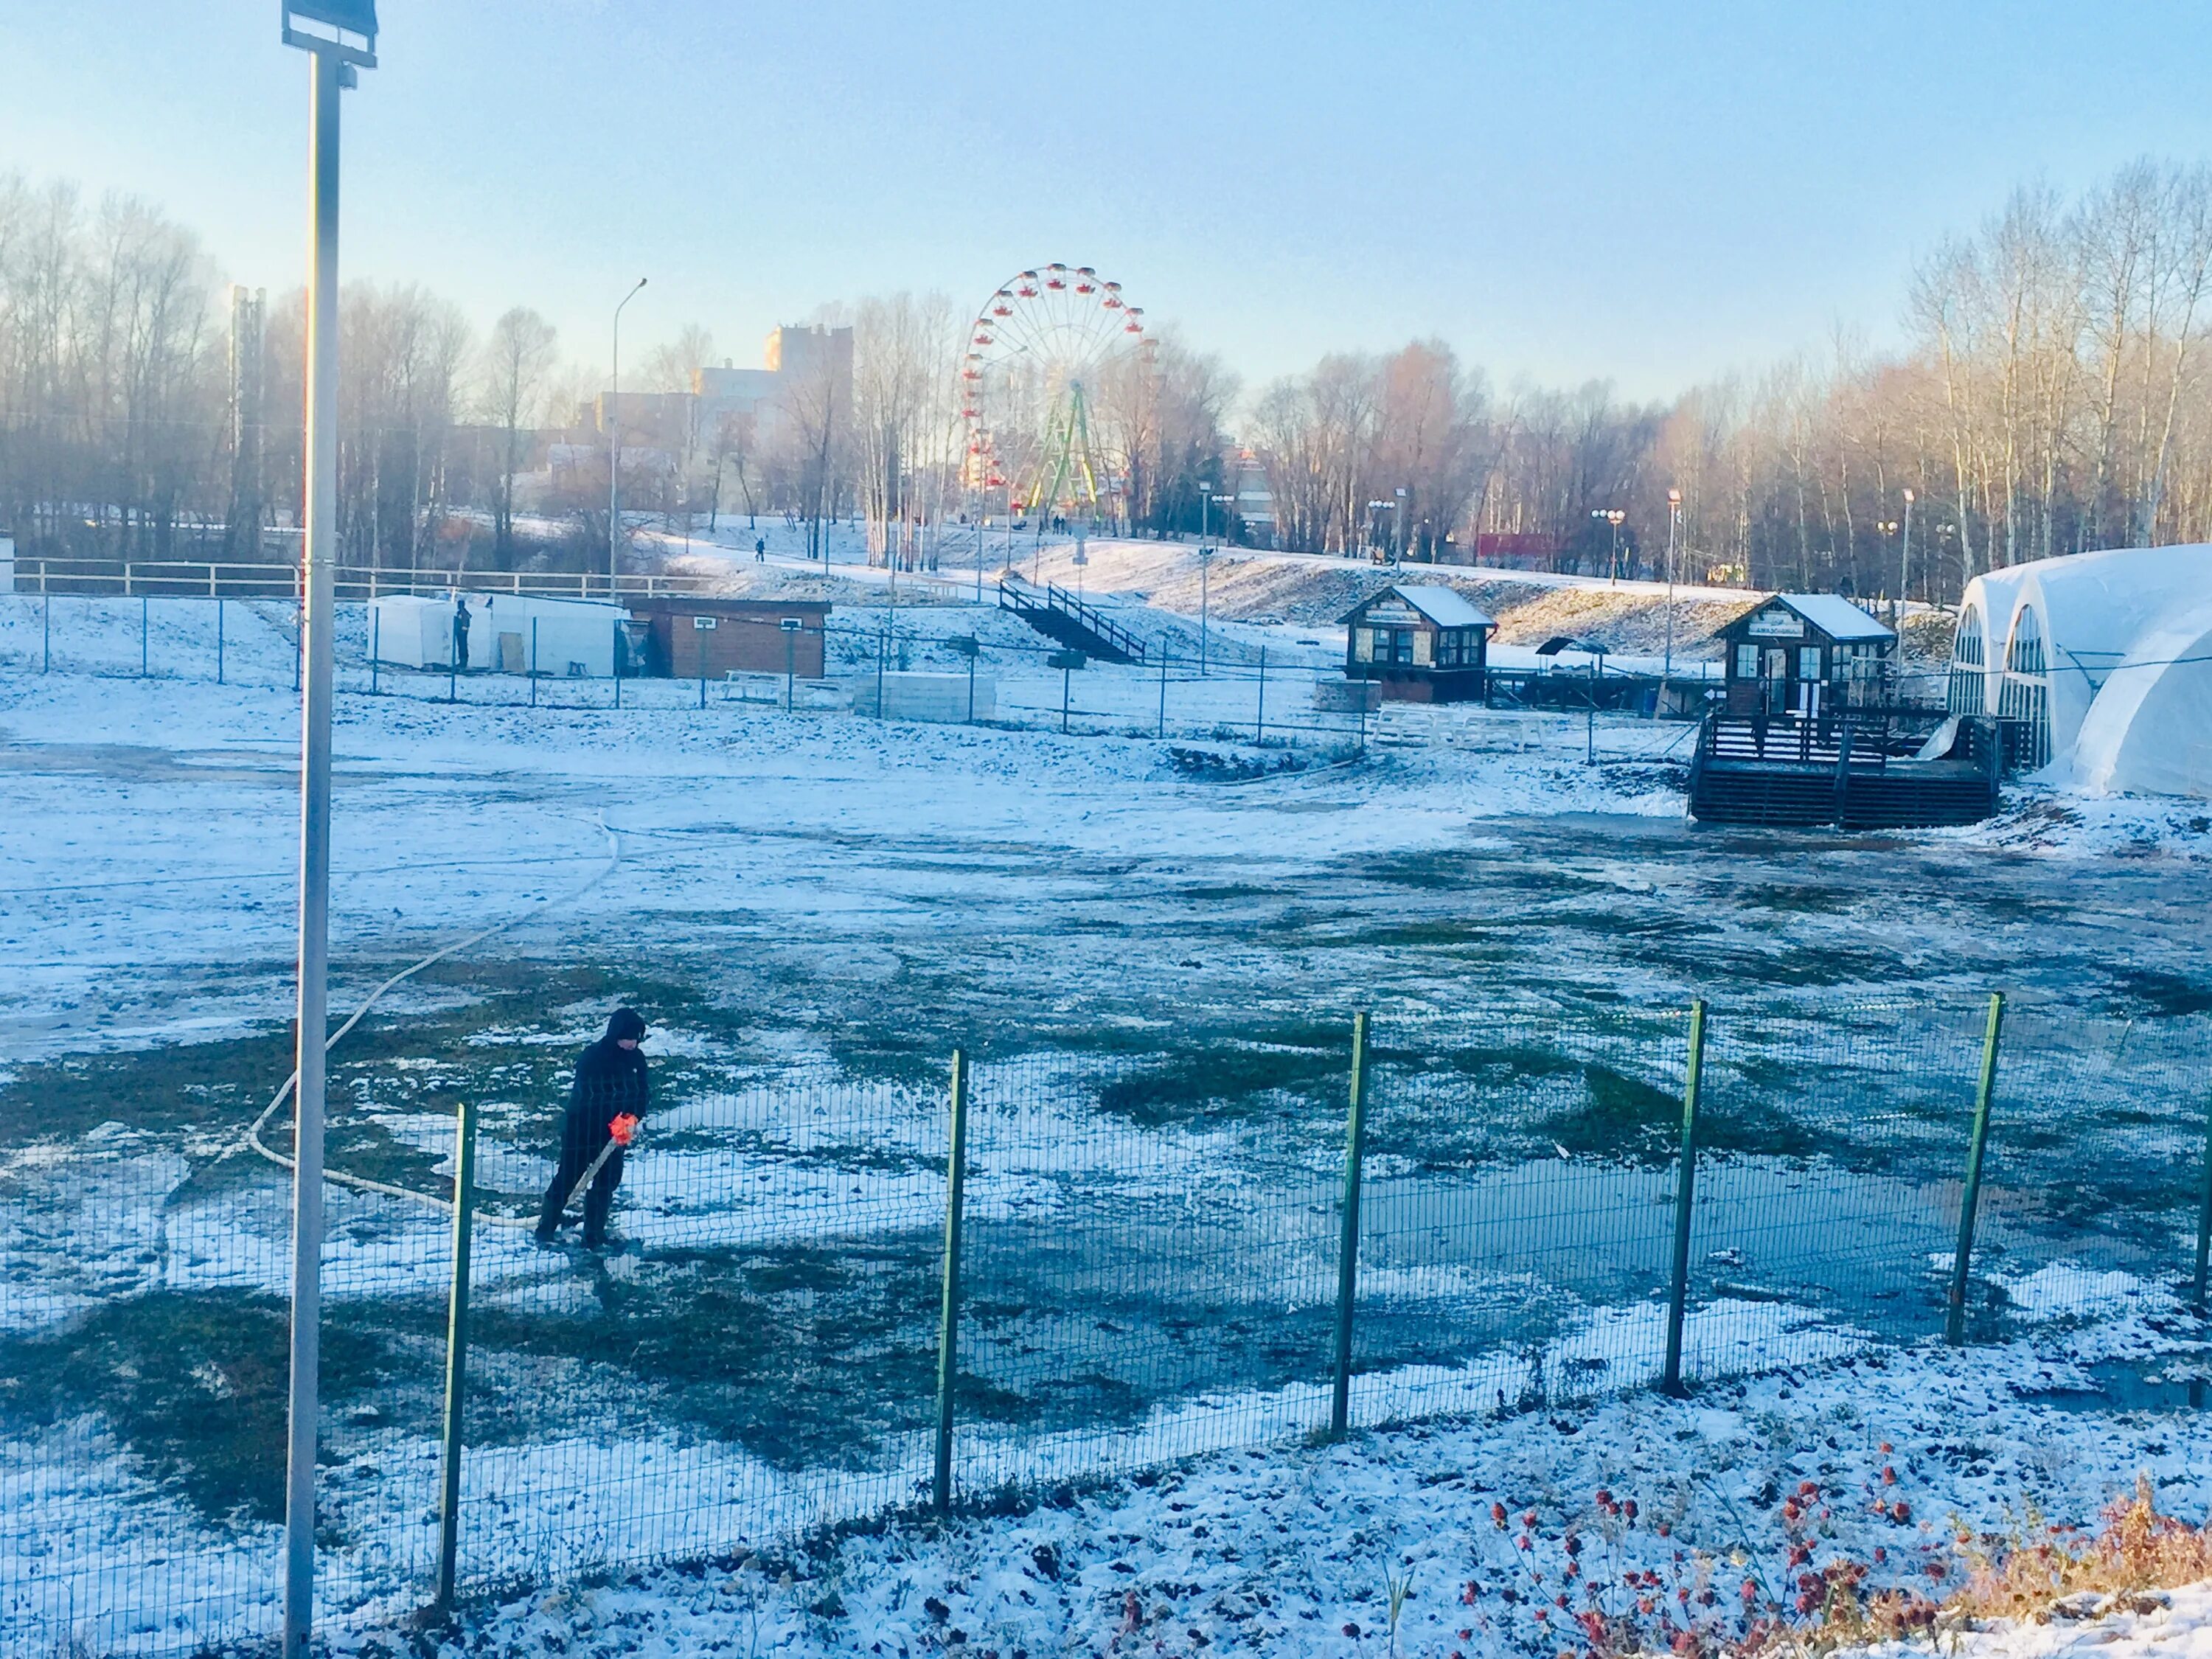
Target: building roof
1836, 616
1444, 606
1831, 613
715, 605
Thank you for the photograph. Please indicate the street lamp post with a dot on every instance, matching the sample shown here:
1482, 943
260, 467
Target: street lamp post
614, 448
1885, 528
1205, 497
1205, 564
1904, 557
1374, 526
1673, 518
1613, 516
340, 38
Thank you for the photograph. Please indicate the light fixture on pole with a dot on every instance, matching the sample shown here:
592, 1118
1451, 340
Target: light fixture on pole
1887, 528
614, 447
340, 38
1673, 518
1204, 495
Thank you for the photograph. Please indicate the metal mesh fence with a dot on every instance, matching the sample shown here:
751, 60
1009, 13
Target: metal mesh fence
938, 664
1513, 1227
753, 1358
1148, 1265
1831, 1147
2097, 1166
1150, 1268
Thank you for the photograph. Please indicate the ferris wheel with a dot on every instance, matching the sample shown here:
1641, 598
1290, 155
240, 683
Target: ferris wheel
1039, 354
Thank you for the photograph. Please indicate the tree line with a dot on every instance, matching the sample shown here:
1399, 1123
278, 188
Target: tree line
2051, 394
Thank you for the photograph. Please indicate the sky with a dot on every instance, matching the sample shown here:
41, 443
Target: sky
1651, 194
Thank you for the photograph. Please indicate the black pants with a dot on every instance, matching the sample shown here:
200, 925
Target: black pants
576, 1158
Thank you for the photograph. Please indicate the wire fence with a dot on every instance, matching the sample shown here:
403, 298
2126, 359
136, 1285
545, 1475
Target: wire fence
833, 1293
936, 664
941, 665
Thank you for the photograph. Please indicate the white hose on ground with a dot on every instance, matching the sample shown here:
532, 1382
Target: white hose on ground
362, 1183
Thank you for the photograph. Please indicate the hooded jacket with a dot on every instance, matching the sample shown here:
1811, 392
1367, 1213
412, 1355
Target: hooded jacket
611, 1080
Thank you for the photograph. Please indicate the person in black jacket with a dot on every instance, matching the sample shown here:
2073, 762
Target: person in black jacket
461, 636
611, 1082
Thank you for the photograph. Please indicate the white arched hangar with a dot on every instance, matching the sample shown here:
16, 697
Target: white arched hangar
2105, 661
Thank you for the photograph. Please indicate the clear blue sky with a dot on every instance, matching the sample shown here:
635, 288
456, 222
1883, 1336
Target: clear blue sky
1651, 193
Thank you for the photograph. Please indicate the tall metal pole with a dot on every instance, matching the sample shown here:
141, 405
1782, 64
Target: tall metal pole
319, 552
948, 1319
1904, 557
457, 1357
1347, 1244
1969, 1196
1204, 565
614, 448
1674, 518
1685, 1178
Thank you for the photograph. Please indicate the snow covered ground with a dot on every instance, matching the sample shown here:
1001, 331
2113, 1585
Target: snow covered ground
2125, 1626
1298, 1551
1154, 956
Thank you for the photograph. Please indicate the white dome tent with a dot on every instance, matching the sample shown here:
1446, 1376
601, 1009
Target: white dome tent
2106, 660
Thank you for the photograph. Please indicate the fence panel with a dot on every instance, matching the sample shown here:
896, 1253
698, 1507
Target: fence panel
1515, 1219
2097, 1163
1150, 1255
755, 1361
142, 1333
1833, 1150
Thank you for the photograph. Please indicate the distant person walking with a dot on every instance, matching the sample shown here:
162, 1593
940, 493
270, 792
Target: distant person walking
610, 1093
760, 549
460, 634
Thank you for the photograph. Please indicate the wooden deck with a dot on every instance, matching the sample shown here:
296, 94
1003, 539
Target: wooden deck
1855, 771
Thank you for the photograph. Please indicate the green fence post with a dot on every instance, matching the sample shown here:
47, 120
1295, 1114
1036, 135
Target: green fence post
1347, 1248
1685, 1184
948, 1322
2204, 1217
1970, 1201
457, 1356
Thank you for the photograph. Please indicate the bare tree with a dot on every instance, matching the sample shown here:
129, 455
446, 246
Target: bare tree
518, 363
